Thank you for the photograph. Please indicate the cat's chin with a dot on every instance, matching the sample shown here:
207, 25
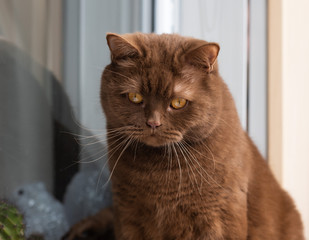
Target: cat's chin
154, 141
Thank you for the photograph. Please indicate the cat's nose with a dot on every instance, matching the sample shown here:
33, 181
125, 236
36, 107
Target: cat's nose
153, 124
154, 120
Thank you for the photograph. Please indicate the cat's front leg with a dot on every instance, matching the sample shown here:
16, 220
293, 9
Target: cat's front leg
97, 227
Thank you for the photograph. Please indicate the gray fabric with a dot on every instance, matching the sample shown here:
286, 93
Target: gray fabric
25, 122
36, 122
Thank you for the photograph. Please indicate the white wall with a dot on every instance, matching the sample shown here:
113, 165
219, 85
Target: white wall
289, 99
87, 54
240, 29
295, 102
97, 18
224, 22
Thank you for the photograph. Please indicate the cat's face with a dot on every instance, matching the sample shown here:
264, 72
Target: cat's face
160, 89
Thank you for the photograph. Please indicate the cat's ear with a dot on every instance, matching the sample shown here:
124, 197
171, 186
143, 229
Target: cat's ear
121, 46
203, 56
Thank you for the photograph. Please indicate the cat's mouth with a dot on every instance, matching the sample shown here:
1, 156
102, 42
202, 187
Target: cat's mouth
150, 137
159, 139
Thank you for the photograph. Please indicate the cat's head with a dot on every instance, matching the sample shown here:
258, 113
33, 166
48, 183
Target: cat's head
161, 89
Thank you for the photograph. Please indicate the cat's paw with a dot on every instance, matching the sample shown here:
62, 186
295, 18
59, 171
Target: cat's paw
97, 227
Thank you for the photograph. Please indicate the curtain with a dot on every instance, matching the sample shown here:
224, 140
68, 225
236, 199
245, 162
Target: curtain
32, 102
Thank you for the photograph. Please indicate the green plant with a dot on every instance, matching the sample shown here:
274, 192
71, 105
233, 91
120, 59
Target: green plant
11, 222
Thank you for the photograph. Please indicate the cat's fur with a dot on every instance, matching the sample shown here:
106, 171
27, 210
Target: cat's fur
197, 174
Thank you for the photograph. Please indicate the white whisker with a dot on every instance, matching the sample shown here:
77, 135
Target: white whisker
184, 153
180, 171
129, 140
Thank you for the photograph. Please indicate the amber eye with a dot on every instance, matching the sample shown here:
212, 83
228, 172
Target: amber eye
178, 103
135, 97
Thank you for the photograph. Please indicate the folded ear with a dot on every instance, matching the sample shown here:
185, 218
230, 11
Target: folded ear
121, 46
203, 56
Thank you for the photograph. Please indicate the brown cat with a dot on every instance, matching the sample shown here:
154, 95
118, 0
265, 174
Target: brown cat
182, 166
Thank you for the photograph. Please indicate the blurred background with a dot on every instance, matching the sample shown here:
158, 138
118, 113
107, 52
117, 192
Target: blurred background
52, 54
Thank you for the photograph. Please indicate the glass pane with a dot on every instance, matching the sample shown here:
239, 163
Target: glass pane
52, 54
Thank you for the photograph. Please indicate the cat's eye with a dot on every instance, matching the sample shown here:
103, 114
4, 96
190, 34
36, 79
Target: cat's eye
178, 103
135, 97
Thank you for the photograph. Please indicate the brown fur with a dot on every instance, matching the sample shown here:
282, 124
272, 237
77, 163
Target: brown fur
198, 175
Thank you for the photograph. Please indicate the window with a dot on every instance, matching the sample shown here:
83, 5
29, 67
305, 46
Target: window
52, 54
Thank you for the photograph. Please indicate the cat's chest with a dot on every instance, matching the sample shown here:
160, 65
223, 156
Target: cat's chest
185, 196
170, 216
165, 171
167, 181
168, 195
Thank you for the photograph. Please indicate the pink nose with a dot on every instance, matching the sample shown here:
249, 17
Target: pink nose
153, 124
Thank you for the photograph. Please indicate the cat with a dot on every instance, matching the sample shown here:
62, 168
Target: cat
181, 165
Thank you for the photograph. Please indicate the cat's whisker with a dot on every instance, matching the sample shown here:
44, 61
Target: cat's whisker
94, 160
164, 155
112, 146
222, 120
119, 133
190, 156
128, 142
169, 165
209, 176
100, 176
135, 142
212, 155
80, 139
172, 162
111, 153
85, 160
186, 161
104, 149
200, 167
87, 136
193, 159
180, 170
198, 152
117, 129
209, 150
108, 138
69, 166
86, 144
113, 150
91, 156
183, 152
124, 130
